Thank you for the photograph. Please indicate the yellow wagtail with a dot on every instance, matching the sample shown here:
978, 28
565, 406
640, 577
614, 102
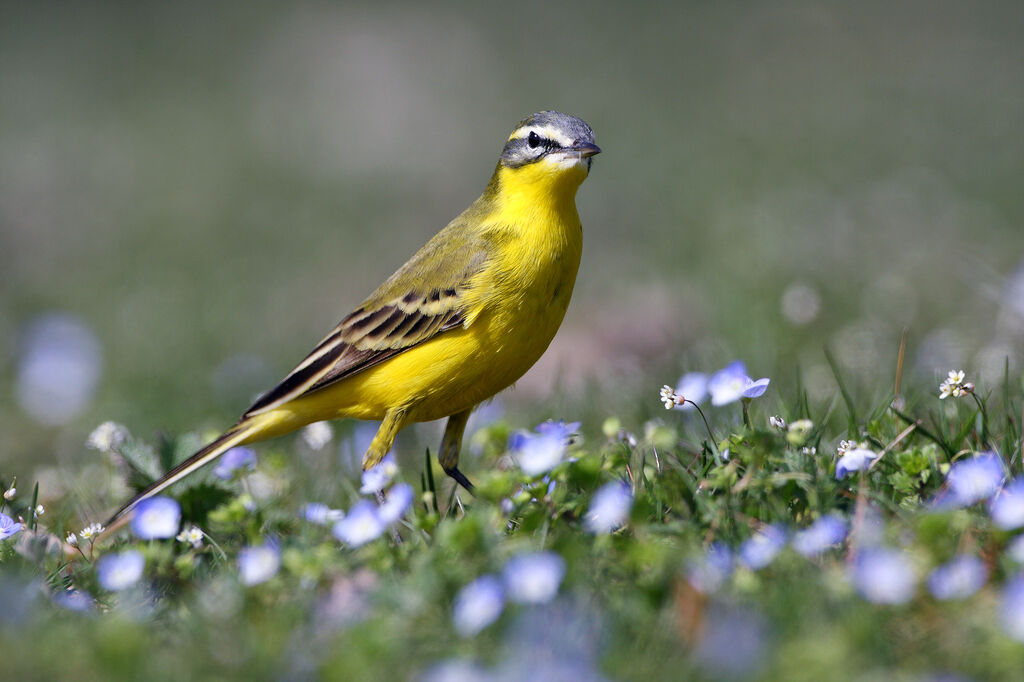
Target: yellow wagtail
463, 319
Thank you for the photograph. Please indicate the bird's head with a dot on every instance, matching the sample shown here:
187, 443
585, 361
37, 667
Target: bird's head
549, 146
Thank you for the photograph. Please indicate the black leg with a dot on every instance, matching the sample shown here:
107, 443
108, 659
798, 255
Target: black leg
459, 477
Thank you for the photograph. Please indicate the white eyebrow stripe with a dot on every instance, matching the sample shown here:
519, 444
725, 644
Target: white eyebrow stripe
545, 132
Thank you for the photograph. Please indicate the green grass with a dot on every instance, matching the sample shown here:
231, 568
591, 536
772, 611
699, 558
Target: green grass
626, 608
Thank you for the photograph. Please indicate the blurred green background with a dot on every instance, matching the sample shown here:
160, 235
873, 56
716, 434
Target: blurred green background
201, 191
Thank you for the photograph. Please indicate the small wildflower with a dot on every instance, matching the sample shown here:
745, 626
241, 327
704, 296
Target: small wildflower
799, 431
10, 493
233, 460
377, 477
8, 526
192, 535
317, 435
777, 423
477, 605
321, 514
537, 453
117, 572
559, 429
691, 390
809, 450
732, 383
91, 531
845, 446
259, 563
40, 510
107, 437
1007, 508
669, 397
826, 532
534, 578
709, 573
156, 518
1011, 611
72, 539
609, 508
73, 600
958, 579
761, 549
884, 576
361, 525
396, 504
953, 385
854, 459
975, 479
1015, 549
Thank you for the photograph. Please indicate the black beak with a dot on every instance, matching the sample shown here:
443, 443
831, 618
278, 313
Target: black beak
586, 149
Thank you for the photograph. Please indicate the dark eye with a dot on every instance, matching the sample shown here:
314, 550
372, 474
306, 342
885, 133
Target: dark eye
533, 139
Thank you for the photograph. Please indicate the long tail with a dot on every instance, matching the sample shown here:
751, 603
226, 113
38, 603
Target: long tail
234, 436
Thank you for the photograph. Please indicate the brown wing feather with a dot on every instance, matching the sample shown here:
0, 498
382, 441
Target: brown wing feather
364, 339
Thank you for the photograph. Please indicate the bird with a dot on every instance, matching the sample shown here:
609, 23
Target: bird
463, 319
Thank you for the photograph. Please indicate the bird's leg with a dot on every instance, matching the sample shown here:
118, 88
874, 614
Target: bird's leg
393, 422
451, 444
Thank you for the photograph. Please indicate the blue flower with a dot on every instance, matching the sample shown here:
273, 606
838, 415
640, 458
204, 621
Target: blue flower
477, 605
609, 508
1007, 508
976, 479
73, 600
731, 383
377, 477
693, 386
155, 518
233, 460
960, 578
396, 504
537, 453
1015, 549
259, 563
8, 526
708, 573
320, 514
826, 532
534, 578
1011, 611
361, 525
732, 642
884, 576
854, 459
559, 429
761, 549
117, 572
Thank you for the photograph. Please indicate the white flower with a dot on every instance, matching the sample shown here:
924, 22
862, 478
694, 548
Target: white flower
107, 437
777, 423
191, 535
668, 397
953, 385
844, 446
72, 539
317, 435
10, 493
91, 531
40, 510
